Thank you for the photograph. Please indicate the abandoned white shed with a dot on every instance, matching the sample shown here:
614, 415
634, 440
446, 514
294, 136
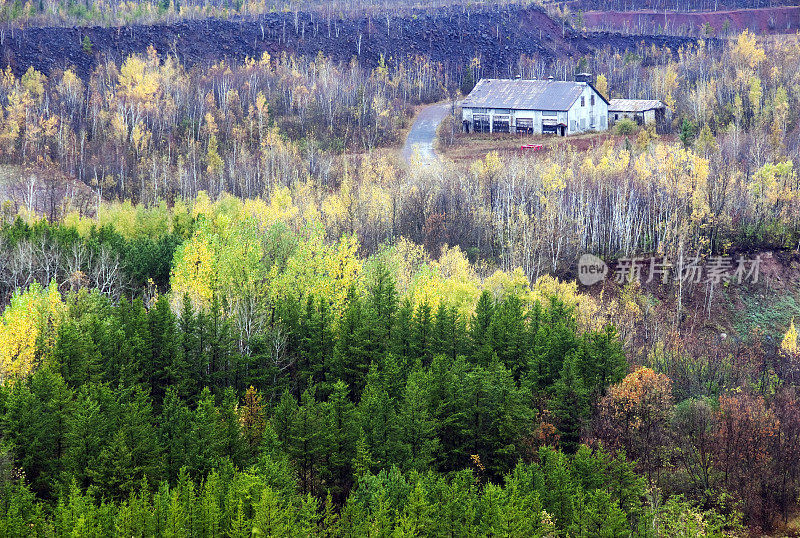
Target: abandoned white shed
534, 106
642, 111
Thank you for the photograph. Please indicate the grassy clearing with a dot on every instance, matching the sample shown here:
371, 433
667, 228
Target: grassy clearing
769, 310
470, 146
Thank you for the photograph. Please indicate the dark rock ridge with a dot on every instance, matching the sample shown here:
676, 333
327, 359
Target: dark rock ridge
681, 6
451, 37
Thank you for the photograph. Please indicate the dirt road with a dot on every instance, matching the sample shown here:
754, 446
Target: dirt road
418, 149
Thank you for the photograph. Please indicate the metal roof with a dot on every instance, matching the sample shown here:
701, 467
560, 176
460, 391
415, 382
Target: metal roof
634, 105
519, 94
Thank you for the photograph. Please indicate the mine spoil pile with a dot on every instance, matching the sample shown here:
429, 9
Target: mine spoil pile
497, 37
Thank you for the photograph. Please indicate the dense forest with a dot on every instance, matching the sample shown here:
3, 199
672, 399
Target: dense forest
289, 385
228, 310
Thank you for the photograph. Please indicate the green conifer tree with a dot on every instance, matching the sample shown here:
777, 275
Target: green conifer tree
570, 405
175, 433
481, 344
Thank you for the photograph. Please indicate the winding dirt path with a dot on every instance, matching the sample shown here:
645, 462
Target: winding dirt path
418, 149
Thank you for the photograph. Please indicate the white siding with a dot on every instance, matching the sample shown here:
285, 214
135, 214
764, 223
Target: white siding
578, 118
588, 117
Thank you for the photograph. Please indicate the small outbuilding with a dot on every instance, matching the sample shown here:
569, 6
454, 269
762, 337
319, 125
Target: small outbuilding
642, 111
535, 106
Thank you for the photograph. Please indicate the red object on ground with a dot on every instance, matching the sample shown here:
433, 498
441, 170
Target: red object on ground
533, 147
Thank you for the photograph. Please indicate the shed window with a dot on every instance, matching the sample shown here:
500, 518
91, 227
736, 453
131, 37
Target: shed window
591, 100
583, 101
549, 113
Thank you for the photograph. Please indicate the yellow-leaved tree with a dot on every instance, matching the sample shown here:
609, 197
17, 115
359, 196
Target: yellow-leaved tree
746, 53
194, 269
231, 257
679, 179
586, 308
789, 343
225, 254
319, 269
138, 80
450, 280
27, 330
790, 352
601, 84
775, 191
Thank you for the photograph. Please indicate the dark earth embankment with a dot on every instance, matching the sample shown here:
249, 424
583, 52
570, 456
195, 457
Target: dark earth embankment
778, 20
498, 38
682, 6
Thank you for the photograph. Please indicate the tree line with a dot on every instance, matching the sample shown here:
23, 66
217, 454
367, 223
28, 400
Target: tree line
151, 130
137, 131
